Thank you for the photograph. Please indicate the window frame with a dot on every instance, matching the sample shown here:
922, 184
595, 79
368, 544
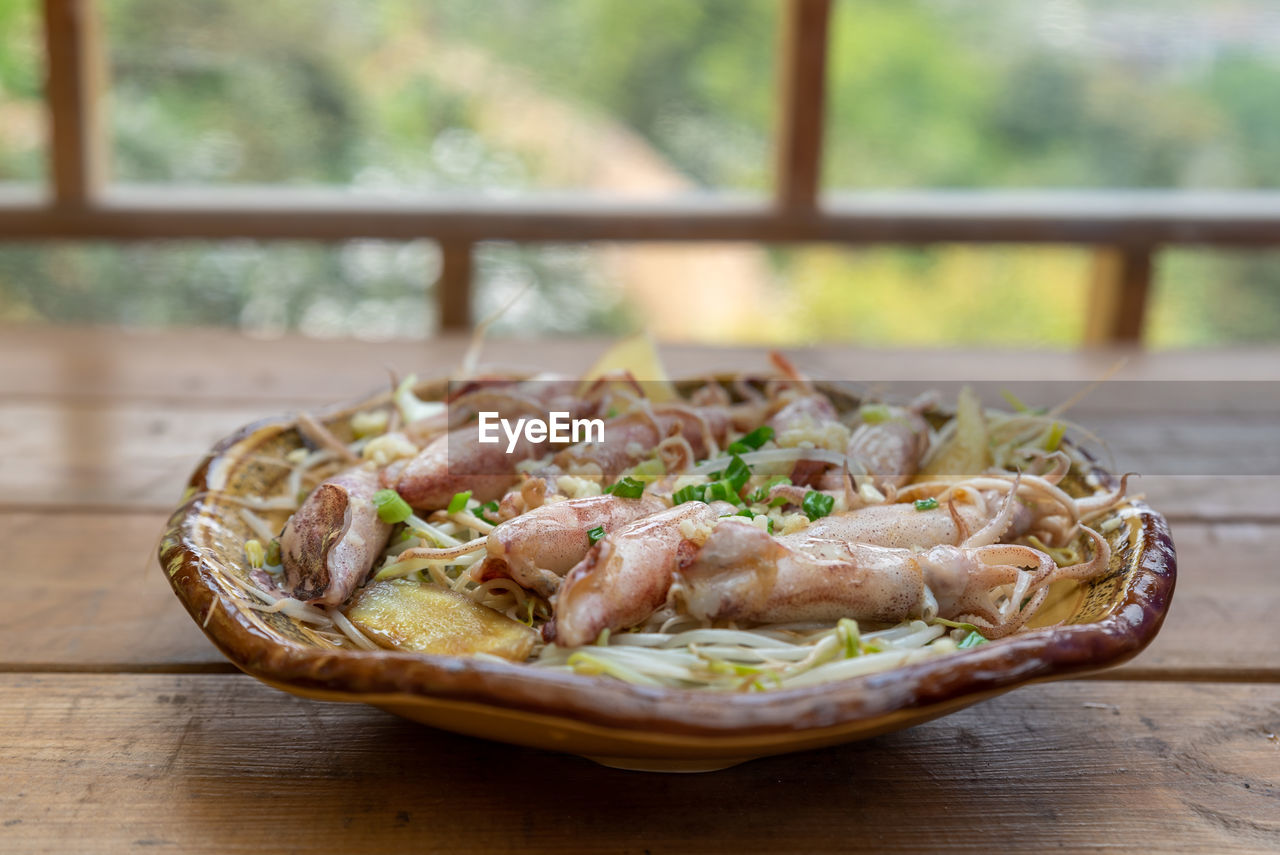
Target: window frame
1125, 228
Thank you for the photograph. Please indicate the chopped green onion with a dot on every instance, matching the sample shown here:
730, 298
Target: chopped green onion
627, 488
737, 474
1054, 437
255, 553
391, 508
489, 507
691, 493
722, 491
759, 494
738, 448
817, 505
768, 522
612, 413
973, 639
757, 437
926, 504
649, 469
874, 413
746, 512
594, 534
459, 501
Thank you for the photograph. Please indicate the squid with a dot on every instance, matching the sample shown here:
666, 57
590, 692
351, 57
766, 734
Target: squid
631, 438
1030, 505
625, 577
540, 546
890, 450
330, 544
743, 573
456, 461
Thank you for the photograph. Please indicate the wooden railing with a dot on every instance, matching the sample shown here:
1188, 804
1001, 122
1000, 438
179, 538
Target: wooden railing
1126, 227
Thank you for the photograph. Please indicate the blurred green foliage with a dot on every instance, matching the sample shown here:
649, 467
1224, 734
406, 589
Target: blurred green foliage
404, 96
21, 117
347, 91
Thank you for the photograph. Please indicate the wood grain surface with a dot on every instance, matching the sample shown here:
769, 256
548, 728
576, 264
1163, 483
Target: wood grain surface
122, 728
221, 763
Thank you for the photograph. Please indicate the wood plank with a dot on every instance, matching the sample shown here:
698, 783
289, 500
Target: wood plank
223, 365
219, 763
802, 79
204, 365
101, 455
1222, 618
87, 593
1102, 218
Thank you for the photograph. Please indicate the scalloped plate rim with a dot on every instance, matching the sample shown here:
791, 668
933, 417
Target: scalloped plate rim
663, 726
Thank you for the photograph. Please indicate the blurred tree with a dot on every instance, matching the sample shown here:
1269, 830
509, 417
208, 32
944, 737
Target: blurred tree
21, 112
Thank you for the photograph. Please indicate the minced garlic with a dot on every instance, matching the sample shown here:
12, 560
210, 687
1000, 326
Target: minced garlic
792, 523
388, 447
695, 531
577, 488
832, 436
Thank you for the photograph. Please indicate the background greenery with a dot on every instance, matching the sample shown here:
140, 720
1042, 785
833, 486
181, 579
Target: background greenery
510, 97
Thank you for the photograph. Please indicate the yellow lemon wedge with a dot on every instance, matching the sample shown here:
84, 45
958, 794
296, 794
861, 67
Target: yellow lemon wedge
637, 355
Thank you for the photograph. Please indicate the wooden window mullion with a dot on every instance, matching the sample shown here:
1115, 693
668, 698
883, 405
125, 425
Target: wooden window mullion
455, 285
73, 43
802, 88
1117, 304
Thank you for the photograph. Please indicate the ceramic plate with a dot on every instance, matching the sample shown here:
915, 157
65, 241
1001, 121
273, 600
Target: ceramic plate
1098, 625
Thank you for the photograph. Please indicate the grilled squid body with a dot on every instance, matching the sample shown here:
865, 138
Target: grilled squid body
626, 575
429, 480
631, 438
890, 451
539, 547
331, 542
456, 461
744, 573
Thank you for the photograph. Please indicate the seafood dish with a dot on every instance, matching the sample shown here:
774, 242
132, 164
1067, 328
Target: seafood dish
742, 533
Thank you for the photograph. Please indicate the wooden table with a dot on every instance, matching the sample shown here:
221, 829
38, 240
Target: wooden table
121, 727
